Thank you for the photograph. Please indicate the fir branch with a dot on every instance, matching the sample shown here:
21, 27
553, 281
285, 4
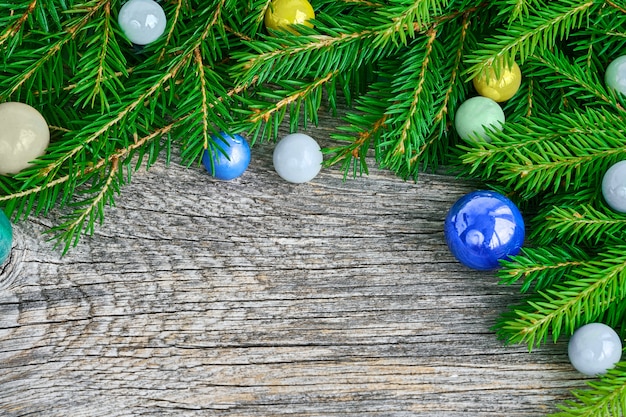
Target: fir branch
408, 21
605, 397
174, 20
582, 224
102, 65
540, 268
550, 152
410, 109
13, 31
539, 31
589, 291
612, 4
90, 210
557, 72
205, 101
297, 96
21, 202
364, 126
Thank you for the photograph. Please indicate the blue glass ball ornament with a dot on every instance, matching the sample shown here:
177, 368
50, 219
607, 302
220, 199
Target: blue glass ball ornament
614, 187
142, 21
297, 158
594, 349
230, 163
615, 75
482, 228
476, 117
6, 237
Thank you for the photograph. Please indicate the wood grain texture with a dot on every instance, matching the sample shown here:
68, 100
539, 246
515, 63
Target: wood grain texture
257, 297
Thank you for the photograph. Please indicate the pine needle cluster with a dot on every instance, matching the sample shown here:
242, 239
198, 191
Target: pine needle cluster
402, 65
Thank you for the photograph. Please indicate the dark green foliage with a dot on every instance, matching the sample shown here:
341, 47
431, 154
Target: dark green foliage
403, 66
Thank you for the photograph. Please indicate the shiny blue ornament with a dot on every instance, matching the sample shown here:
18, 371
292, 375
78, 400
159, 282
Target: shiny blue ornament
229, 158
482, 228
6, 237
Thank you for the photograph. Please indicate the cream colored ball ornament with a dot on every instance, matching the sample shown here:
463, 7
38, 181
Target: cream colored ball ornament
24, 136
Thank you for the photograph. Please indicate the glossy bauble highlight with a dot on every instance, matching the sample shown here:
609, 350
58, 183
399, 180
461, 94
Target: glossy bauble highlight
482, 228
142, 21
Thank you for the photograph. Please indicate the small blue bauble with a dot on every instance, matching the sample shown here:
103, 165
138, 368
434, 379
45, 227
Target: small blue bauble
594, 349
482, 228
6, 237
229, 158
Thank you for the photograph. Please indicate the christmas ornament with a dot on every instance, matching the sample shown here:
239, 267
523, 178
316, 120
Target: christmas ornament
6, 237
142, 21
281, 14
615, 76
614, 187
297, 158
482, 228
229, 162
500, 87
476, 116
24, 136
594, 349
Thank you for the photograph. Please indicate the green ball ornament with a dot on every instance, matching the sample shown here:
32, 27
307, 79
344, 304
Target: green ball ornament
476, 117
615, 76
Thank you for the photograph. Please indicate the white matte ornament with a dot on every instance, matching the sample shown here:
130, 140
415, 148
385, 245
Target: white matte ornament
615, 76
297, 158
142, 21
24, 136
614, 187
594, 349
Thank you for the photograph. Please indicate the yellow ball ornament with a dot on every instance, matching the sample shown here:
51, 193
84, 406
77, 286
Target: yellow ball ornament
499, 87
281, 14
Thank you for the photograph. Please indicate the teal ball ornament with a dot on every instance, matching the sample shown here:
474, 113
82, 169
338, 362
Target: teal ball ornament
594, 349
615, 75
476, 117
142, 21
6, 237
229, 158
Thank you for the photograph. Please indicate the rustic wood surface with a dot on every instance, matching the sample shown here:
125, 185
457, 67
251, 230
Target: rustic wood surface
257, 297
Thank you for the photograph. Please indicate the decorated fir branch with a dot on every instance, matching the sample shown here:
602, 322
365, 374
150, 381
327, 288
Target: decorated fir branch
404, 67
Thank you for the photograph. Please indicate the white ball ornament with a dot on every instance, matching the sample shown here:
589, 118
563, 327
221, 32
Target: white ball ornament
142, 21
297, 158
24, 136
476, 116
615, 76
594, 349
614, 187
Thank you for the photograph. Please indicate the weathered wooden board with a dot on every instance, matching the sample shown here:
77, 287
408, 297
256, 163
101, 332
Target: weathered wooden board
257, 297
